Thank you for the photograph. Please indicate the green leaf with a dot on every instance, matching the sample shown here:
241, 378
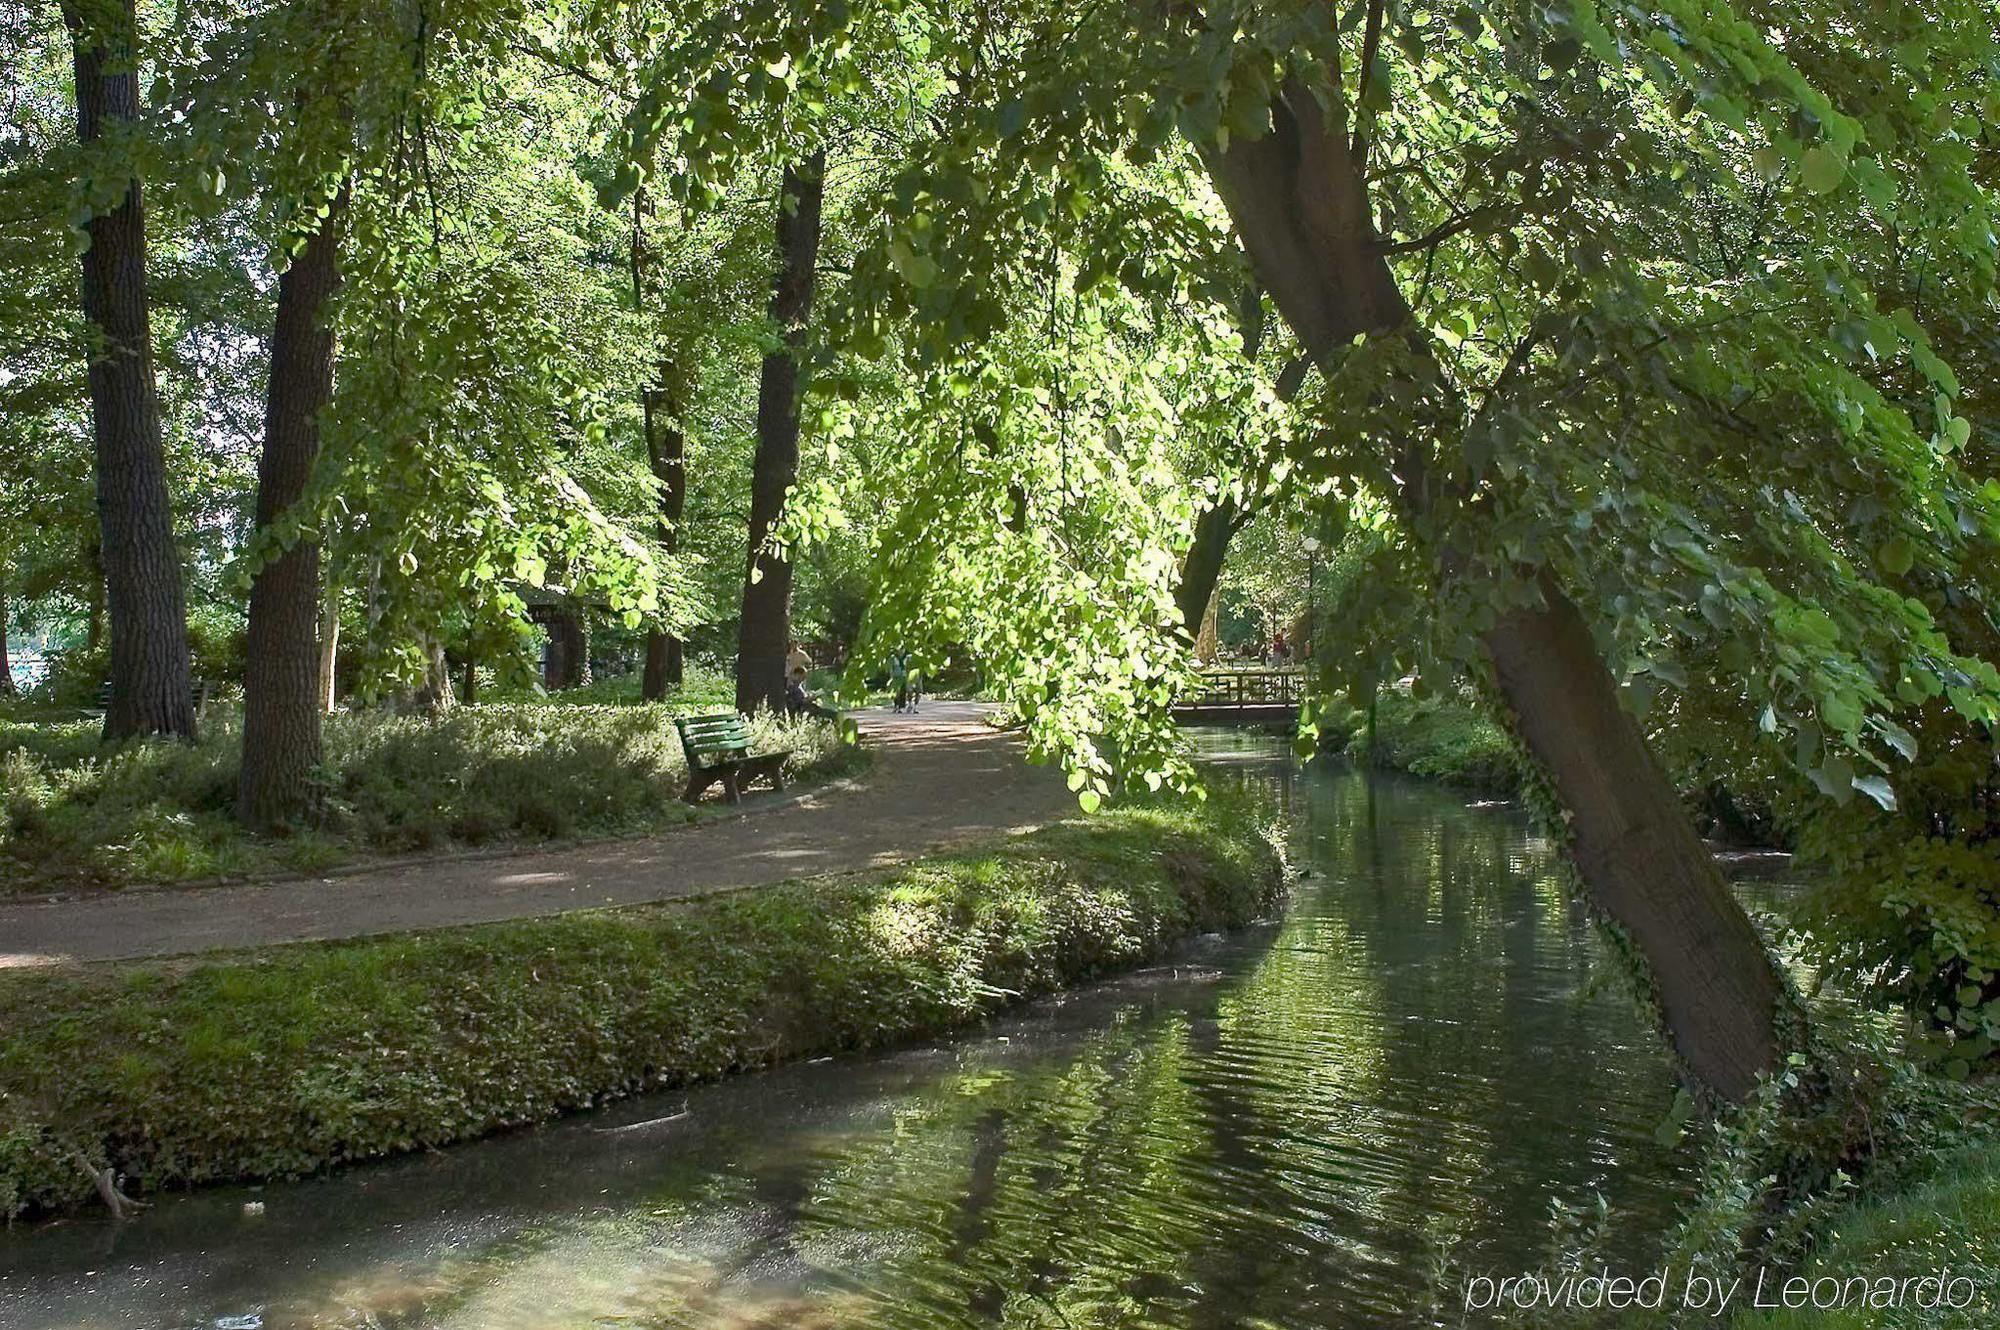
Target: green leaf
1822, 170
1877, 789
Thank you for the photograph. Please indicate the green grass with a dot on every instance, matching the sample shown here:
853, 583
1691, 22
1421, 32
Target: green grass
1945, 1218
286, 1060
77, 812
1446, 739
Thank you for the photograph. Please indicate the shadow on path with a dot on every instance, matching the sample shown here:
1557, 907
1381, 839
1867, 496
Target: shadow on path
941, 778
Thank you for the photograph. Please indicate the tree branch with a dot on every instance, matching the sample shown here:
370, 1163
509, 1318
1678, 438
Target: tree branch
1438, 235
1371, 42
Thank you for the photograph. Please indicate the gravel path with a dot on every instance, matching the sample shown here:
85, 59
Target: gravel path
940, 778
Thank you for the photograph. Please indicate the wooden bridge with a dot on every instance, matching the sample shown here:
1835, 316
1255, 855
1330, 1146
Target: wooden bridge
1259, 695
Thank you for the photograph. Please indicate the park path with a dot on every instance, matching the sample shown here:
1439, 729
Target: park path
941, 778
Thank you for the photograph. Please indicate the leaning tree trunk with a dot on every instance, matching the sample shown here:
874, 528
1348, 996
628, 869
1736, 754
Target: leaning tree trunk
766, 626
1300, 206
666, 445
150, 691
282, 682
1635, 848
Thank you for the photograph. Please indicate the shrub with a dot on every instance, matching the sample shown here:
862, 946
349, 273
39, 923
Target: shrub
1912, 895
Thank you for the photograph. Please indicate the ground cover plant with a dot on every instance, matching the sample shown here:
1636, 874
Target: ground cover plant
77, 813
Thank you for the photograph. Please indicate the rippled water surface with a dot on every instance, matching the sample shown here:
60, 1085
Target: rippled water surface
1326, 1121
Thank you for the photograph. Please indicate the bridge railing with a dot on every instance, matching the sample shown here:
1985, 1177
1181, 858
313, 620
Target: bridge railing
1275, 685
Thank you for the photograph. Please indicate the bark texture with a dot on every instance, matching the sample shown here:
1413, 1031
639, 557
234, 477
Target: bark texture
329, 650
765, 630
283, 681
1201, 567
7, 688
150, 691
433, 697
1635, 848
1299, 202
566, 663
666, 446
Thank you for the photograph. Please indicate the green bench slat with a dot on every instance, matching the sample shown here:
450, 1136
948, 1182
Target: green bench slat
704, 735
718, 747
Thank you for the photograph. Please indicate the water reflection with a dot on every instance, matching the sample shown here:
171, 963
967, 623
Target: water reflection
1323, 1122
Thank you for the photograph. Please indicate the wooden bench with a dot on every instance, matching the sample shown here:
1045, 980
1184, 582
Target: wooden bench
199, 687
718, 749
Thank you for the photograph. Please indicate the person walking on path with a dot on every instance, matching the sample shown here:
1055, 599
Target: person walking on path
907, 681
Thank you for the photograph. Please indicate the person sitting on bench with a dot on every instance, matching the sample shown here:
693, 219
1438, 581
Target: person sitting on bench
798, 702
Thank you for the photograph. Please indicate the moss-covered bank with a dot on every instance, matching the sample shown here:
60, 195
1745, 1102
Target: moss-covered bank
286, 1060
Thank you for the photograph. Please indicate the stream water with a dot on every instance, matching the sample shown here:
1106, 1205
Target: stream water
1330, 1120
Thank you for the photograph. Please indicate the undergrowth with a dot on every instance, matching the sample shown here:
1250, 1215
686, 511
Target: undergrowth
75, 811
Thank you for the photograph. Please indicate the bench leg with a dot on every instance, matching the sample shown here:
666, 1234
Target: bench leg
732, 785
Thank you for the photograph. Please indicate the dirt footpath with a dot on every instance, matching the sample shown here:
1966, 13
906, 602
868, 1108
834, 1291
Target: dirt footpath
941, 778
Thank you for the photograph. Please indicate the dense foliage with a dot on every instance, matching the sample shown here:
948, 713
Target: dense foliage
1603, 360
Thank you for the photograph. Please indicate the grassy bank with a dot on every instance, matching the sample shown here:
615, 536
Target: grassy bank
287, 1060
1942, 1215
77, 812
1446, 739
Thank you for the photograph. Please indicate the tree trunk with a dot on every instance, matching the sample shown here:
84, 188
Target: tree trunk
1208, 640
7, 688
282, 687
1635, 848
150, 691
1201, 568
666, 445
1300, 206
93, 622
329, 650
434, 697
567, 661
765, 630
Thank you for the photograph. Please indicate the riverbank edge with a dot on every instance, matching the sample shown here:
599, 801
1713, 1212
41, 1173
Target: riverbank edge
283, 1061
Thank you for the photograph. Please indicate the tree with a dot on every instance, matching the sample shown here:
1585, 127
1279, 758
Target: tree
662, 403
1299, 200
150, 688
1575, 305
764, 634
7, 688
283, 688
666, 448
